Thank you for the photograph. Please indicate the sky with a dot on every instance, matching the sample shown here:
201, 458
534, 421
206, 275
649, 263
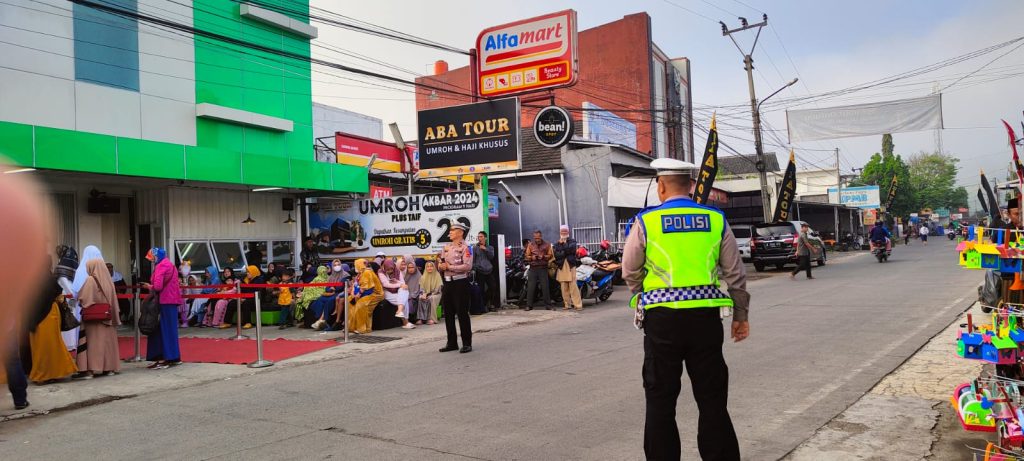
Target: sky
828, 44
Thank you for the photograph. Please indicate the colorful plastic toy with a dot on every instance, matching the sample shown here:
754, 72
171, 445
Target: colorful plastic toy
999, 350
973, 416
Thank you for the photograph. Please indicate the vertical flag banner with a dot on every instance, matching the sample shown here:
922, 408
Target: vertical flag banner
893, 186
981, 198
788, 191
993, 205
1016, 158
708, 166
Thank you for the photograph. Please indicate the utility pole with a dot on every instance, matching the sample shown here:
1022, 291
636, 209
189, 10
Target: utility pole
839, 193
748, 62
839, 181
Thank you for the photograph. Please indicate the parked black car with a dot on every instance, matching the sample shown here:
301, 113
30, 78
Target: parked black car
775, 243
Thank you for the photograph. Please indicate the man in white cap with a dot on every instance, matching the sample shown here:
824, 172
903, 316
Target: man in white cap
671, 263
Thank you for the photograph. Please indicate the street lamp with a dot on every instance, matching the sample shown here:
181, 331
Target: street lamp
791, 83
758, 148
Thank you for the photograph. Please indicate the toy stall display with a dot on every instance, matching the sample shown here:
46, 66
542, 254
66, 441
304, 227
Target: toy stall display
993, 404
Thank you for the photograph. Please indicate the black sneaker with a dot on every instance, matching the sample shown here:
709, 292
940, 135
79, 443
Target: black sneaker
448, 348
21, 406
466, 349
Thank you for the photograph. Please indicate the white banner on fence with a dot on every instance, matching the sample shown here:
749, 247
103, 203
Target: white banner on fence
869, 119
630, 192
402, 225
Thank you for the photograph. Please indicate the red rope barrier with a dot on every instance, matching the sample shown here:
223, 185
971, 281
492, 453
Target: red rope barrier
291, 285
221, 296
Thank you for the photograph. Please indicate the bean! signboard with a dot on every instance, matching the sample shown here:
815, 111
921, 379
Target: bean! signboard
527, 55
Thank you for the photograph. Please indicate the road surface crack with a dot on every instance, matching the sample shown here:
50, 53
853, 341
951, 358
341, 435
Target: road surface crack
377, 438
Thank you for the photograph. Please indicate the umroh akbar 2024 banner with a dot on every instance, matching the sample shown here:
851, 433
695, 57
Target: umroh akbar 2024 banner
407, 224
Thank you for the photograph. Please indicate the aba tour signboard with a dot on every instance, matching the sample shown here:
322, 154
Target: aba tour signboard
527, 55
477, 138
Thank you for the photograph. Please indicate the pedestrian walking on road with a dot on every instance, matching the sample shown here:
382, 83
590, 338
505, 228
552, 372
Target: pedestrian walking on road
671, 262
924, 234
804, 250
456, 261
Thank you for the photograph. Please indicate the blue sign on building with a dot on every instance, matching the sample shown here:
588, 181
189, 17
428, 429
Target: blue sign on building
859, 197
603, 126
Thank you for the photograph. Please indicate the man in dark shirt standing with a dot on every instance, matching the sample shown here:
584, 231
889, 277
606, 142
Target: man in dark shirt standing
538, 255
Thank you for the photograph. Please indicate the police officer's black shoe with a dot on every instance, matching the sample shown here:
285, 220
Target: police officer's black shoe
466, 349
448, 348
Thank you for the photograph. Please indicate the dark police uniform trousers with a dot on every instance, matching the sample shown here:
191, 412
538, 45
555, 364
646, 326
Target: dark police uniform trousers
455, 298
673, 337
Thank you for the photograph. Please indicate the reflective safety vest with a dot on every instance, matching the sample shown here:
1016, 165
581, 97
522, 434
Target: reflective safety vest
683, 243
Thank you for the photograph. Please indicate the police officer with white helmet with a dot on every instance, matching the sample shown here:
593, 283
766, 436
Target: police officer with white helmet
671, 262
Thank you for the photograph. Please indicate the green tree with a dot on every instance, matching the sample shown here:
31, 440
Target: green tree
879, 172
933, 179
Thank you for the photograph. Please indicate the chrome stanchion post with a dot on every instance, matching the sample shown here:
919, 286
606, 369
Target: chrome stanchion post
345, 301
259, 363
238, 313
136, 313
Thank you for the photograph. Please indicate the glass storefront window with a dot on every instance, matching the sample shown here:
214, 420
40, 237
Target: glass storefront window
229, 254
197, 254
284, 252
256, 253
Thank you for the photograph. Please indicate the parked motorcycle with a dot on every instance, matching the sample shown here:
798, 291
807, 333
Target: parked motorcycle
517, 278
595, 279
847, 243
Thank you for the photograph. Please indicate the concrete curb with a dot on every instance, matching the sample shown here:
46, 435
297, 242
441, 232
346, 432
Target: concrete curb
136, 381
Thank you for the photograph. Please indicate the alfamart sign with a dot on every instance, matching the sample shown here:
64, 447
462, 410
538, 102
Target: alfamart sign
528, 55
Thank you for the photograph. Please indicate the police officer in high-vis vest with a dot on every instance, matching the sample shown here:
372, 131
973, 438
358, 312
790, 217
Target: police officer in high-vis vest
671, 262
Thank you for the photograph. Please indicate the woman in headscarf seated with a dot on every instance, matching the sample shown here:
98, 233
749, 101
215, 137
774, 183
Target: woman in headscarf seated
200, 306
310, 294
395, 290
253, 275
324, 311
366, 294
430, 293
412, 282
215, 317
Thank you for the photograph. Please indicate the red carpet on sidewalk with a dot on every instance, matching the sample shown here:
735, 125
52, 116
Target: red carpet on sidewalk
213, 350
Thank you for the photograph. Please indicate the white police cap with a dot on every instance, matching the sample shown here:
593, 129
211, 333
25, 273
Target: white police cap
459, 225
671, 166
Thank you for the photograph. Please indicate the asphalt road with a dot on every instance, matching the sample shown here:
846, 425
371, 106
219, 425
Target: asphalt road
564, 389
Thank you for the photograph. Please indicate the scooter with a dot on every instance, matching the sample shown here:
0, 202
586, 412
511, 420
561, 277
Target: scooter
596, 279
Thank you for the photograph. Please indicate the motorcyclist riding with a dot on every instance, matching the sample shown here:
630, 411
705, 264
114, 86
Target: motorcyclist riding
881, 236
